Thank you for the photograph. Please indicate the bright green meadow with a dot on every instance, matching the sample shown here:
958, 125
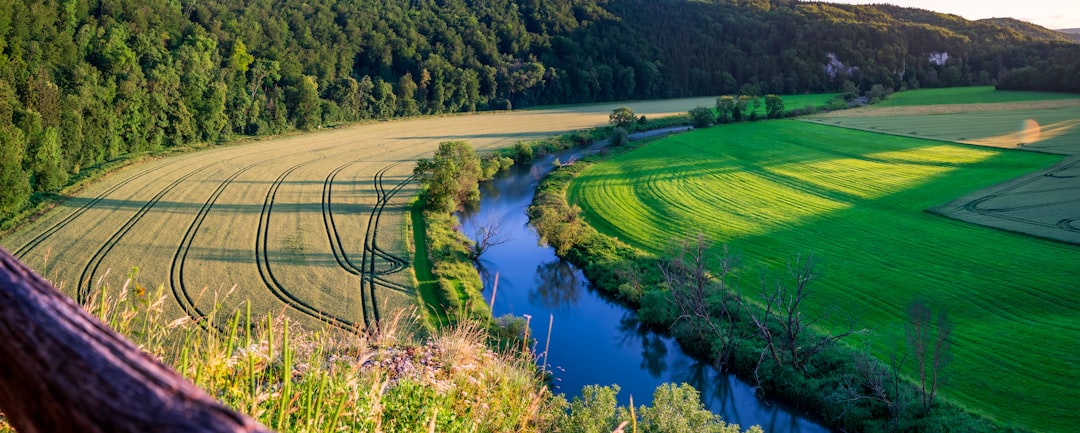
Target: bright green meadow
777, 189
967, 95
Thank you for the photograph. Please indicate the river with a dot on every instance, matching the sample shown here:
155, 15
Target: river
593, 339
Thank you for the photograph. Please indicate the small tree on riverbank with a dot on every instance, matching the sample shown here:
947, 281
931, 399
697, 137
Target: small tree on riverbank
450, 180
701, 292
619, 137
486, 236
725, 108
774, 106
702, 116
795, 344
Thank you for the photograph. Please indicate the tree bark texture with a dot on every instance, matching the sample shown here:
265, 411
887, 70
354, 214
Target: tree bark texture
62, 370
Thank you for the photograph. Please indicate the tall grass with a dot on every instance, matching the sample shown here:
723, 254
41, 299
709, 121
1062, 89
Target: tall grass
325, 380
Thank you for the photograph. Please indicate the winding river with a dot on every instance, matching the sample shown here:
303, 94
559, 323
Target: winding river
593, 339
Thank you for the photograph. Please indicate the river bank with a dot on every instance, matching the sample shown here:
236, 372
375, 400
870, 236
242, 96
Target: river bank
595, 339
844, 386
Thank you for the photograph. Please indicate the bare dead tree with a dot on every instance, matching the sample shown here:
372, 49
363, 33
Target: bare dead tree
930, 344
692, 283
63, 370
487, 236
795, 344
877, 383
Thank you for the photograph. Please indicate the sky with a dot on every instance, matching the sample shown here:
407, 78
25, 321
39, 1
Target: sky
1052, 14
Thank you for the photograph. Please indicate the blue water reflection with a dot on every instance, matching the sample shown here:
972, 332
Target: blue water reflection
594, 340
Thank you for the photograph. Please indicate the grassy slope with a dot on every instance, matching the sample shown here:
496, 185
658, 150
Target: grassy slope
968, 95
776, 189
426, 282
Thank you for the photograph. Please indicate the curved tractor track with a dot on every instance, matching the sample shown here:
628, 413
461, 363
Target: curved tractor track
176, 270
1025, 187
37, 240
370, 277
86, 282
266, 273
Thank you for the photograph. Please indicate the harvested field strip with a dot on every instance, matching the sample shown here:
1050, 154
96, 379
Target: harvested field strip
176, 271
857, 200
982, 107
87, 278
1046, 130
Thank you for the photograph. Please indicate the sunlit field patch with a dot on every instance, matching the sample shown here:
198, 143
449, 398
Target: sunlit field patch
857, 200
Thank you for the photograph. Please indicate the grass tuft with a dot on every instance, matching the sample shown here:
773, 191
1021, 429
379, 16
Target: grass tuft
292, 378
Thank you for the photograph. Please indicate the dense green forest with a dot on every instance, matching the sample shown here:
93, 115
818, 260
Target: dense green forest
83, 82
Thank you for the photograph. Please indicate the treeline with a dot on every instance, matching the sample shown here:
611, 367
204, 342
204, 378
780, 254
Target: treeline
1059, 72
83, 82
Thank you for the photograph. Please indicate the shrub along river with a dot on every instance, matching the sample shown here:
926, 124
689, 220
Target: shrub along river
595, 340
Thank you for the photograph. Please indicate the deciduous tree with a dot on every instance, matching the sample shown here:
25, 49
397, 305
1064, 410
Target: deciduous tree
622, 117
702, 117
725, 108
703, 295
795, 344
774, 106
450, 180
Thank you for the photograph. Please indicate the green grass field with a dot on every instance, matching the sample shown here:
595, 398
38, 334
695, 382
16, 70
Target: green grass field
967, 95
792, 102
800, 101
1053, 130
856, 200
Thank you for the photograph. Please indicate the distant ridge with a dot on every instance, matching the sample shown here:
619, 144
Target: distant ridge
1032, 30
1073, 34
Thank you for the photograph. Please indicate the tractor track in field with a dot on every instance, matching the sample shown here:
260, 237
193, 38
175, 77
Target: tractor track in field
262, 260
331, 227
1066, 224
86, 279
370, 277
37, 240
397, 264
176, 270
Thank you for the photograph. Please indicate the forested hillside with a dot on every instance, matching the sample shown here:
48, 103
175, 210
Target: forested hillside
88, 81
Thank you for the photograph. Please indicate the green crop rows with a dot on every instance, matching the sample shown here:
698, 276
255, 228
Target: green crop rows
856, 200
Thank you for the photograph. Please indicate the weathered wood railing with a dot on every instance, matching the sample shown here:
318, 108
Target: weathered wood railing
61, 370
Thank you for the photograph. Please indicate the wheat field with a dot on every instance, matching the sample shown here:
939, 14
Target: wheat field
312, 224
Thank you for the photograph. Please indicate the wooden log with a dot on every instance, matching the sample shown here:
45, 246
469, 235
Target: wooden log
62, 370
